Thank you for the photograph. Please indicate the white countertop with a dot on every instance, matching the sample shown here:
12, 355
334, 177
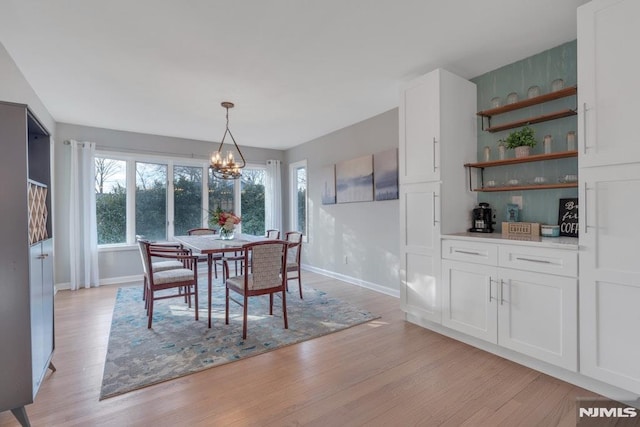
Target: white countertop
548, 242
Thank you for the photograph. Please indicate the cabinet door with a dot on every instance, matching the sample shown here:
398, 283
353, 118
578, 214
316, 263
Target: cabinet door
469, 298
538, 316
419, 129
608, 82
420, 251
610, 276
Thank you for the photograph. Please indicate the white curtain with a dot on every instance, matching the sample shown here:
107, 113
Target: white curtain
273, 196
83, 234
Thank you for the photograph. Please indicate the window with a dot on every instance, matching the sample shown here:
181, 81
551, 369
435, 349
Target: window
162, 197
252, 201
221, 194
111, 200
187, 199
151, 200
298, 195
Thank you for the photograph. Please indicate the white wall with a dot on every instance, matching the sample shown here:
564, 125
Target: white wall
118, 264
367, 232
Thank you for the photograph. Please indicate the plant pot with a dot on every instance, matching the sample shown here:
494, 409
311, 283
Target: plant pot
522, 151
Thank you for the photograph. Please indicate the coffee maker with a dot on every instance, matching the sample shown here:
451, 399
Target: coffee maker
482, 219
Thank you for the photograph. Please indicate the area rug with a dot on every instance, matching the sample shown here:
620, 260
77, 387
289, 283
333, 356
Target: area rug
177, 345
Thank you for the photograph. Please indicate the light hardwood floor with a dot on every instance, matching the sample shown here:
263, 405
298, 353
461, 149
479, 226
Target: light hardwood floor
384, 373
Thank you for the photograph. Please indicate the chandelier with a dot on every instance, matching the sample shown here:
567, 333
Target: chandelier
225, 166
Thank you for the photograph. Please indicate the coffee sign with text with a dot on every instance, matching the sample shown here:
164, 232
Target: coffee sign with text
568, 217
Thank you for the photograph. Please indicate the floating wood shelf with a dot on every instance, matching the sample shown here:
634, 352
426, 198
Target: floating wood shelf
533, 158
529, 187
532, 120
562, 93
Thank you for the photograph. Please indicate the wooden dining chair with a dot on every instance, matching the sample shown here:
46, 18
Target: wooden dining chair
262, 277
272, 234
217, 258
182, 279
159, 265
292, 271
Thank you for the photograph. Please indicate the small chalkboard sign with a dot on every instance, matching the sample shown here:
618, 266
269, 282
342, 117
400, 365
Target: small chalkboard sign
568, 217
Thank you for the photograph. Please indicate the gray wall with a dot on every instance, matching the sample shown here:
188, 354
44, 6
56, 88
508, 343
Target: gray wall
366, 232
119, 264
15, 88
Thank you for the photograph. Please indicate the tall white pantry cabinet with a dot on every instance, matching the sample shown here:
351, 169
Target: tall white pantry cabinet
438, 134
609, 185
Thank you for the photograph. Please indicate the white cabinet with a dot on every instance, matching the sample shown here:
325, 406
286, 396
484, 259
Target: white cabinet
608, 82
421, 255
609, 185
437, 135
517, 308
610, 275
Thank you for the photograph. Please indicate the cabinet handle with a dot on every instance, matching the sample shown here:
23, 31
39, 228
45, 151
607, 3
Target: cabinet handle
540, 261
501, 292
490, 288
42, 256
434, 209
585, 210
434, 153
584, 128
458, 251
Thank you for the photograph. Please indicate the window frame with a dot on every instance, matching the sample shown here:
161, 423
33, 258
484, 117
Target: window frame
130, 160
293, 197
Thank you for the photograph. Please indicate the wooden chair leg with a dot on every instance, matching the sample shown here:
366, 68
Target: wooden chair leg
300, 284
270, 304
226, 306
150, 298
284, 309
195, 294
244, 318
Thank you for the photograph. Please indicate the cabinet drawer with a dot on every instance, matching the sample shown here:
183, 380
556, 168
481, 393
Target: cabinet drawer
462, 250
552, 261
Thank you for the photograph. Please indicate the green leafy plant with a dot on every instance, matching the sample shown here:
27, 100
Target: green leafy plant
519, 138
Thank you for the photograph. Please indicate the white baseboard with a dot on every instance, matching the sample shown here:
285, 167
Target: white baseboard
354, 281
122, 280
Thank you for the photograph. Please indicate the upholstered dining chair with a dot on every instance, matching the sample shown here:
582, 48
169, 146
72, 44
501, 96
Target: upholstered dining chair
217, 258
159, 265
292, 270
272, 234
185, 278
260, 277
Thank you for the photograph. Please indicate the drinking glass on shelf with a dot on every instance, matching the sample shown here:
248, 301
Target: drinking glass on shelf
496, 102
557, 84
533, 92
512, 98
502, 151
547, 144
571, 141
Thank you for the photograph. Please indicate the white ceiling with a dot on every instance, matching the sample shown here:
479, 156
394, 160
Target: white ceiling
296, 69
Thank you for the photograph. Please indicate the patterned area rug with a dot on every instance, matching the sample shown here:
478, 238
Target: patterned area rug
177, 345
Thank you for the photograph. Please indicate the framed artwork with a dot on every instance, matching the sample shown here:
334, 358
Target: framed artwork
354, 180
385, 175
328, 180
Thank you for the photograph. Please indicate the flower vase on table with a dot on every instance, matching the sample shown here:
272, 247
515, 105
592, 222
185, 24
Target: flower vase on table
227, 233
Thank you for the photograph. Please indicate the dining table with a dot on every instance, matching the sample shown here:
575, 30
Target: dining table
213, 244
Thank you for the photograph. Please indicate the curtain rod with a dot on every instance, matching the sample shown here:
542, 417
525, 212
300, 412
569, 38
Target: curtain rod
136, 151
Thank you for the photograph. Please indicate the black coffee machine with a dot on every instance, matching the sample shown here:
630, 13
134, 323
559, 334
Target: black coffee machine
482, 219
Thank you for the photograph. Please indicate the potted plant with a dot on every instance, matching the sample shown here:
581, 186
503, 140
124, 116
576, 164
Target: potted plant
521, 141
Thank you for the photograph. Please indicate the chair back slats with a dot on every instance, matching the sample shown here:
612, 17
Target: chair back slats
201, 231
266, 265
295, 242
272, 234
